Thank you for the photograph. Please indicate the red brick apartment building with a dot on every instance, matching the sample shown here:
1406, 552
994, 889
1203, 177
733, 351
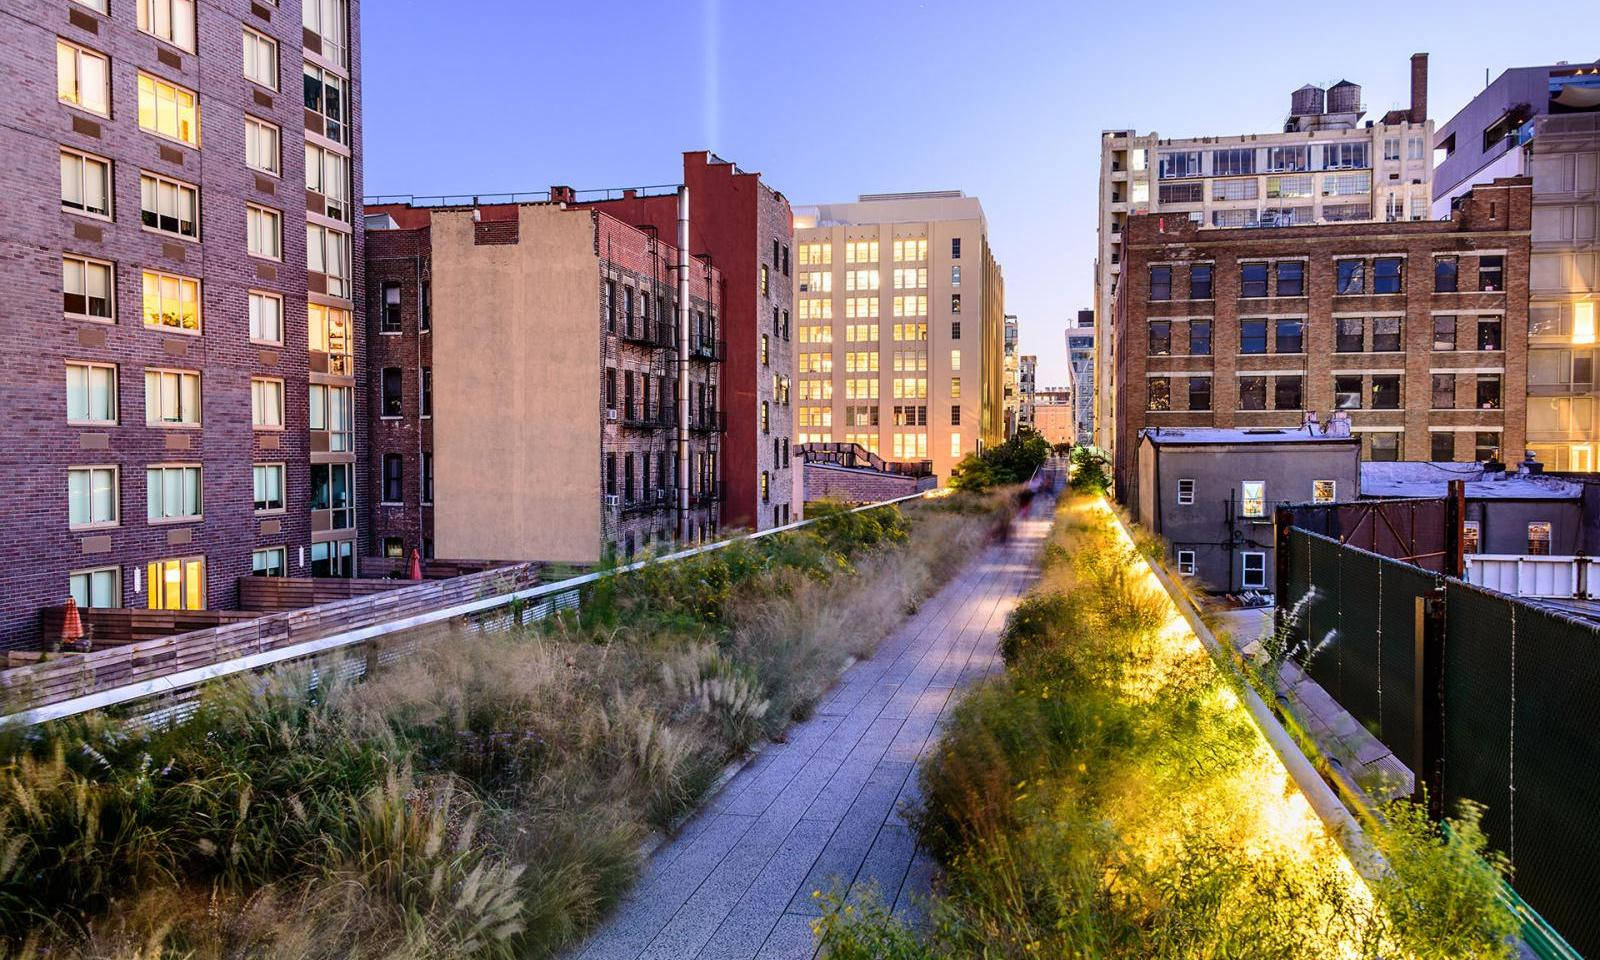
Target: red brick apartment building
746, 229
523, 396
1417, 329
179, 376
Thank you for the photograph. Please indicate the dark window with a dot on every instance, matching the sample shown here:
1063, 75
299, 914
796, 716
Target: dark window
610, 306
1385, 447
1291, 336
1347, 392
955, 303
1444, 332
1444, 391
627, 394
955, 248
391, 307
1491, 273
955, 415
427, 478
1486, 446
1200, 282
1253, 280
1388, 275
1160, 338
1385, 334
1442, 446
611, 474
1199, 393
1488, 391
1291, 278
627, 310
1348, 334
1386, 391
1488, 333
1159, 394
611, 388
427, 391
393, 478
391, 391
1252, 336
1199, 338
955, 330
1350, 277
774, 253
786, 260
627, 477
1446, 271
1160, 283
1252, 393
426, 320
1286, 393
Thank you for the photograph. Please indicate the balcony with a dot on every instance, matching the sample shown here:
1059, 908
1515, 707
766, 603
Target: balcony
636, 418
650, 501
713, 351
708, 421
652, 335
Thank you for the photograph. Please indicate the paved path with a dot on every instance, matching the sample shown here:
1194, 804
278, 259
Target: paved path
823, 809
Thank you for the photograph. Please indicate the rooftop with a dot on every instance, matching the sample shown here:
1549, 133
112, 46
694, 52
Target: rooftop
1423, 479
1222, 436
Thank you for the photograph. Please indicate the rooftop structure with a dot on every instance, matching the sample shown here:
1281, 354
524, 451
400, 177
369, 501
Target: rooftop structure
1426, 479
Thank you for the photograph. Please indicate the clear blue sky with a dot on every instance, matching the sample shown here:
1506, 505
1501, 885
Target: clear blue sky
1003, 100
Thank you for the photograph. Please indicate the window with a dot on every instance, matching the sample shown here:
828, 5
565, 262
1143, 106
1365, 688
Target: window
261, 150
427, 392
178, 584
955, 415
1199, 338
1489, 333
169, 20
1178, 164
333, 558
425, 307
390, 305
1185, 491
1488, 391
330, 412
171, 397
1323, 491
328, 332
427, 476
1385, 334
955, 248
1287, 393
766, 351
1253, 570
1470, 536
1442, 446
1160, 283
1186, 563
1252, 393
1444, 391
1386, 391
330, 491
1199, 393
169, 206
171, 301
394, 478
91, 393
955, 276
1232, 162
1291, 336
1160, 338
1384, 447
1253, 498
85, 184
1446, 271
1289, 188
862, 279
87, 288
955, 303
92, 497
1350, 277
1539, 538
267, 481
326, 20
264, 232
955, 388
765, 286
83, 78
1349, 155
1191, 192
1289, 158
260, 59
173, 493
1291, 278
266, 317
269, 562
1349, 334
325, 96
96, 588
1391, 148
266, 403
1387, 275
915, 278
328, 253
1444, 332
955, 360
1347, 392
168, 110
1159, 394
392, 391
1253, 281
1486, 446
1491, 273
955, 330
766, 418
766, 487
1200, 281
1233, 189
1252, 336
328, 174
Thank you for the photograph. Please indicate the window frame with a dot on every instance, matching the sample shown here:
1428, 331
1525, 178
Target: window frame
258, 213
252, 297
144, 21
1209, 282
179, 188
283, 555
1381, 279
156, 85
1454, 274
1245, 573
79, 53
1186, 567
84, 160
111, 288
282, 469
262, 42
112, 394
1194, 383
1546, 537
199, 492
399, 398
1332, 494
1246, 284
1206, 324
1253, 502
395, 478
199, 398
88, 602
253, 125
116, 496
1186, 494
256, 424
199, 301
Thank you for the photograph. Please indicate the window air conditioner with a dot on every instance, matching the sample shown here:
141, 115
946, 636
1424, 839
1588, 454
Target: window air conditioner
612, 500
611, 413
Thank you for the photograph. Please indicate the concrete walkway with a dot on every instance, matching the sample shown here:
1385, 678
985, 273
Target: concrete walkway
822, 811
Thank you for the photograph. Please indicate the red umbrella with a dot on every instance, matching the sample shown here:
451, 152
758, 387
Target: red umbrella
71, 625
415, 573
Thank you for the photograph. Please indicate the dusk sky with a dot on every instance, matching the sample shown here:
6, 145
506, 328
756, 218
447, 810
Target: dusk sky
1004, 101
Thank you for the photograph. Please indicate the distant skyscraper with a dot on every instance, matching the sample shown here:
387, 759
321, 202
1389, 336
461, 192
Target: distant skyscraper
1012, 390
1080, 375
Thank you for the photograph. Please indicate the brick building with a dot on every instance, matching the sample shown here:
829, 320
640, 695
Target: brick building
745, 228
523, 395
180, 310
1417, 329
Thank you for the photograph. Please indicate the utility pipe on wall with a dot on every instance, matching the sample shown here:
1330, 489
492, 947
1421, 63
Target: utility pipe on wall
683, 365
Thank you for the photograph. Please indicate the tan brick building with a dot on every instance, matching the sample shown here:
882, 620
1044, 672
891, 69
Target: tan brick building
1416, 329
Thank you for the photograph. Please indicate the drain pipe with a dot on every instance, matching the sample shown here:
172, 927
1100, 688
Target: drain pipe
683, 365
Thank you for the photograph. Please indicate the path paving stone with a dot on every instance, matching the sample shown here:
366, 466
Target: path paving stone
822, 811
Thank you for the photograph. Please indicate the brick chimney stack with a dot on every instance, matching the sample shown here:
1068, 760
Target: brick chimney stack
1419, 88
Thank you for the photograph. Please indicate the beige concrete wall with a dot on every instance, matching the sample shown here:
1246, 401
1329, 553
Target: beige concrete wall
516, 357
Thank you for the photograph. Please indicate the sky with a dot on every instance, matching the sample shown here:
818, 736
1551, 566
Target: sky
1001, 99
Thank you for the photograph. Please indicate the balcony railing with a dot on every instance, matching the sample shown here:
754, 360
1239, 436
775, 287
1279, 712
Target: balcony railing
711, 350
708, 421
653, 335
639, 419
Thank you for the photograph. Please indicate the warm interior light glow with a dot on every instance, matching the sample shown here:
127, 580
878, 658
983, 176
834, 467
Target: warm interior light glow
1583, 321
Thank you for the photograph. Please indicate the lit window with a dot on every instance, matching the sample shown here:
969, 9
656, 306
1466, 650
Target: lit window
169, 206
955, 443
1583, 327
168, 110
1469, 536
266, 403
85, 183
91, 393
169, 20
178, 584
87, 288
955, 359
328, 330
1539, 538
1253, 498
101, 587
1322, 491
266, 317
173, 492
267, 480
264, 233
171, 301
83, 78
92, 497
260, 59
171, 397
261, 141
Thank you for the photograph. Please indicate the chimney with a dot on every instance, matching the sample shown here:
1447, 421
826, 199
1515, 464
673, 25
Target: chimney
1419, 88
563, 195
